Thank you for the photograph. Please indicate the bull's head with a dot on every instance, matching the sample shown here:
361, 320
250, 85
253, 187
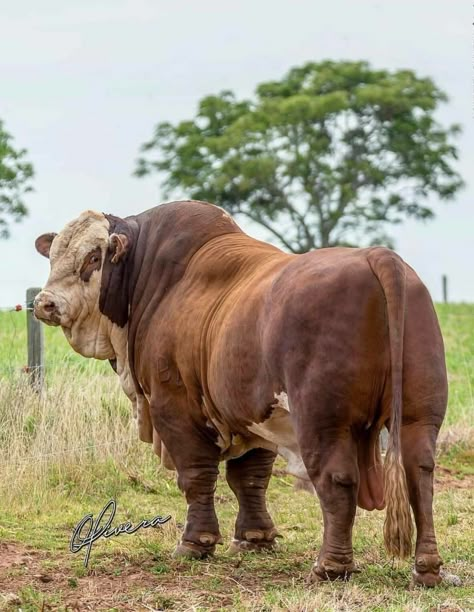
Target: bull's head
70, 297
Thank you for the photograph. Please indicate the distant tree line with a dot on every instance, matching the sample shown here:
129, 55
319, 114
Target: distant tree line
15, 181
333, 154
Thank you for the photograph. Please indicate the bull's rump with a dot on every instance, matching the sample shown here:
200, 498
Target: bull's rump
316, 329
318, 323
314, 325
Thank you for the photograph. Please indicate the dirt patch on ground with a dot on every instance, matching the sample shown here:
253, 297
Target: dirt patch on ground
32, 579
14, 555
447, 478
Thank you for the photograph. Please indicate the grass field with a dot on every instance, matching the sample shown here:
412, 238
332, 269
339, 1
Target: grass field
67, 454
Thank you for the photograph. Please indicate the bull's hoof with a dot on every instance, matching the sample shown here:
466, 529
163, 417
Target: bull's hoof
188, 551
191, 550
427, 579
255, 540
427, 571
330, 571
238, 546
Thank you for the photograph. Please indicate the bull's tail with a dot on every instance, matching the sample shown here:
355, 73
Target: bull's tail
398, 528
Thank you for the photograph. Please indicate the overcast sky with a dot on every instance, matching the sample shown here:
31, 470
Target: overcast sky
83, 83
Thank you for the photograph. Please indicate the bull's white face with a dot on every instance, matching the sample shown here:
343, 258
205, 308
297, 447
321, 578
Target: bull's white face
70, 297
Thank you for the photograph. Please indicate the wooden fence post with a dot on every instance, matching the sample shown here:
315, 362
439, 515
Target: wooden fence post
445, 288
35, 343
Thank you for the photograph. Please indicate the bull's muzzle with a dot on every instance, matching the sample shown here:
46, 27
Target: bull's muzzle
46, 309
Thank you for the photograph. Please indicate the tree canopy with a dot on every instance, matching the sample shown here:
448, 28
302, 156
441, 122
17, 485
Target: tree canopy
332, 154
15, 181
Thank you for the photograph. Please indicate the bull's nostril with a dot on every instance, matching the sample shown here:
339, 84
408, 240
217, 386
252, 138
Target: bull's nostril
49, 307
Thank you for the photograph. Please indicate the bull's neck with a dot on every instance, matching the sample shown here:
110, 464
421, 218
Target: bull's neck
98, 337
119, 342
105, 340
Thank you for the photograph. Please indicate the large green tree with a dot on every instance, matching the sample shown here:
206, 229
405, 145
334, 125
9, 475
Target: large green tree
15, 181
334, 153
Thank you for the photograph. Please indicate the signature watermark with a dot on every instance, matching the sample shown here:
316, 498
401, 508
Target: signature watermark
88, 530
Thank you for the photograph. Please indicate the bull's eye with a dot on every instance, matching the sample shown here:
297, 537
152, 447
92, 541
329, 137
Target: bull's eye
91, 264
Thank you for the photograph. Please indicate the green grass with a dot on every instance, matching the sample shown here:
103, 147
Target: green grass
457, 326
68, 453
58, 353
272, 581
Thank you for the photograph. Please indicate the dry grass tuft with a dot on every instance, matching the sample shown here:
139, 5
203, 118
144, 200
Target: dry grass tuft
74, 425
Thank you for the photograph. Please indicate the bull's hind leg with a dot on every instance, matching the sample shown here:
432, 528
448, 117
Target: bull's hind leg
418, 444
248, 477
425, 396
330, 457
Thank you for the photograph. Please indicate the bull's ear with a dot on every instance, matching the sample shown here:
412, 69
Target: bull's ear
43, 243
118, 245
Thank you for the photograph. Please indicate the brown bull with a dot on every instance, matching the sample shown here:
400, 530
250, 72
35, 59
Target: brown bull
233, 350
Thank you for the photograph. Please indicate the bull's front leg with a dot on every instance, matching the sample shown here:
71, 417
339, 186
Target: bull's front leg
197, 480
248, 477
196, 458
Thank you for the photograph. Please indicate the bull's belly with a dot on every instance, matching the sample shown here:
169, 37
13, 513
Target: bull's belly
278, 434
275, 433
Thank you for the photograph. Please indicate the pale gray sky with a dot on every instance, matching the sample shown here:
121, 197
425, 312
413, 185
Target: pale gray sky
82, 85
